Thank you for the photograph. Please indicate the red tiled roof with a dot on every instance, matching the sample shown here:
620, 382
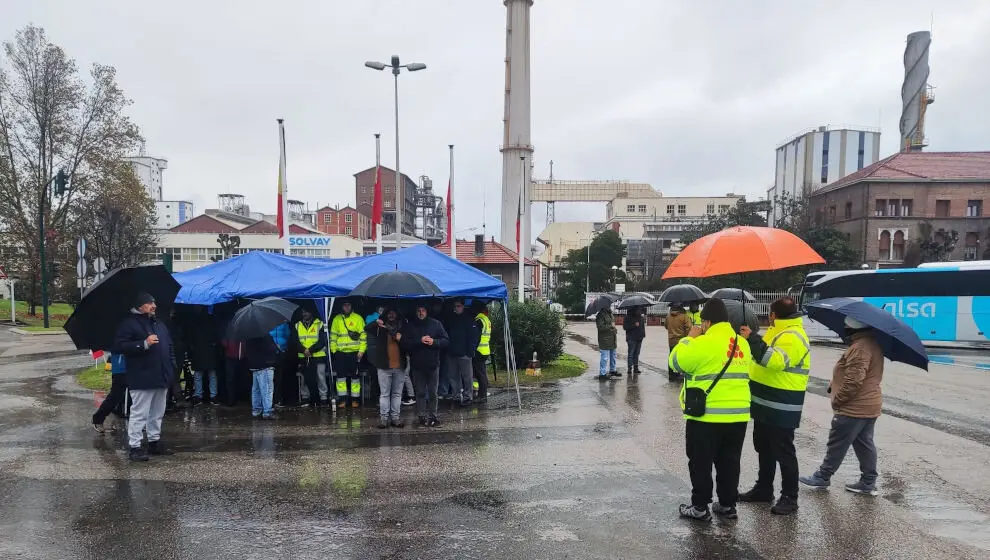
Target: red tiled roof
261, 226
495, 253
203, 224
922, 166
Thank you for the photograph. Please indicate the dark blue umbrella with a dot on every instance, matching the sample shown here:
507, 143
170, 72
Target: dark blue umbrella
899, 341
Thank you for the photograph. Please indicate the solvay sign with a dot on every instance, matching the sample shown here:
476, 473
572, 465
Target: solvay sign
309, 241
909, 310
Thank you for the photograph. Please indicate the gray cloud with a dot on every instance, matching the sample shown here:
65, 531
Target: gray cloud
691, 97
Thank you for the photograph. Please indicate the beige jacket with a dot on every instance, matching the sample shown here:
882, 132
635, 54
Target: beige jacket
856, 379
678, 326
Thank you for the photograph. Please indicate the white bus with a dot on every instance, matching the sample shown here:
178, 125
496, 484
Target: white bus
943, 302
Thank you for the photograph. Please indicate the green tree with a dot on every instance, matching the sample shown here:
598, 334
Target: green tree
606, 251
51, 119
535, 328
930, 245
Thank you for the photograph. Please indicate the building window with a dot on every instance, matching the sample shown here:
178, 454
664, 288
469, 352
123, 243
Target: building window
710, 209
328, 218
682, 210
389, 189
496, 276
364, 190
670, 209
897, 247
642, 209
388, 204
848, 212
885, 245
893, 208
972, 247
723, 208
630, 208
974, 208
819, 217
825, 138
941, 208
881, 207
349, 230
831, 214
348, 218
907, 206
862, 150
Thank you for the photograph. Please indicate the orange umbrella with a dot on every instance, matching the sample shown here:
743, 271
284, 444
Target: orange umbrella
742, 249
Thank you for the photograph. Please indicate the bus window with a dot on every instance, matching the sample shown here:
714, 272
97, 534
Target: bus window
808, 297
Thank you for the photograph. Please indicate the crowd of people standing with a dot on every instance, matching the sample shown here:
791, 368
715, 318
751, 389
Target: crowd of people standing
730, 375
430, 354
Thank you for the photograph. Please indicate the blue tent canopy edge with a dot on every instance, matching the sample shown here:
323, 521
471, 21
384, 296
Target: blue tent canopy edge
258, 274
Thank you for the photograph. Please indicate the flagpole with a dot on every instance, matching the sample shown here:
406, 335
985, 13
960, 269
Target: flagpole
377, 187
450, 219
522, 233
283, 188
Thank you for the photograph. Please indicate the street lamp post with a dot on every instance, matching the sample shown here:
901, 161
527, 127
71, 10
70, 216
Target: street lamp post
396, 68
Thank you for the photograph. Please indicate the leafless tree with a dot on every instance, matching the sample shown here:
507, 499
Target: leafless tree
51, 119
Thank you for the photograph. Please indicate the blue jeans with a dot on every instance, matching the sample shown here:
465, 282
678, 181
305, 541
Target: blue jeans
607, 359
198, 384
261, 391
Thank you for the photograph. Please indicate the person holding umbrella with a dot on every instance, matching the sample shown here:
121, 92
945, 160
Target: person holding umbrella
146, 343
260, 357
607, 334
386, 354
424, 338
635, 327
856, 403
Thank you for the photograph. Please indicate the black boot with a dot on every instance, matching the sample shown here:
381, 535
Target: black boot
138, 454
158, 448
786, 505
673, 376
757, 495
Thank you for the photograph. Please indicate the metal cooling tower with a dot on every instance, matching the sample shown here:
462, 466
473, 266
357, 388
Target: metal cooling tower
915, 92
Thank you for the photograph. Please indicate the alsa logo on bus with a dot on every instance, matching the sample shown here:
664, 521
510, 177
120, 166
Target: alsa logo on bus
909, 310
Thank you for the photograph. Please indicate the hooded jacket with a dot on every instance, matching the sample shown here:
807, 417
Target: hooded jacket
678, 326
148, 367
856, 378
634, 325
605, 322
421, 356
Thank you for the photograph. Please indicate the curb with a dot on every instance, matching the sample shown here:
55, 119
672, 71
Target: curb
33, 333
36, 356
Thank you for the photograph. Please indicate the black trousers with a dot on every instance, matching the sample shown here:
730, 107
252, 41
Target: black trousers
309, 367
279, 374
776, 445
114, 401
231, 369
480, 366
708, 444
632, 354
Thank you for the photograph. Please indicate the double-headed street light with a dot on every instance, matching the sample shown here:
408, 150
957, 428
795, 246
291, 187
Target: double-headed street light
396, 68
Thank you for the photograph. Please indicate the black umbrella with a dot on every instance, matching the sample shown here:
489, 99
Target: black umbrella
733, 293
683, 293
604, 301
736, 318
636, 301
395, 284
258, 318
94, 322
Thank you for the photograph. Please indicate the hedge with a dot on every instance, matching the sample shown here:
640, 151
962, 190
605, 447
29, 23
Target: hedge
535, 328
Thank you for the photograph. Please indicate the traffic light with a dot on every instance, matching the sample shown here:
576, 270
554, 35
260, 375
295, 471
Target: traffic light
61, 182
167, 261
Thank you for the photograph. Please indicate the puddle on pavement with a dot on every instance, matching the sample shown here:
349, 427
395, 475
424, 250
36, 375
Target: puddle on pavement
947, 518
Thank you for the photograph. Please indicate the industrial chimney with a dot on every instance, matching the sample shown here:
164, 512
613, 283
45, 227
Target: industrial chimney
479, 245
916, 94
517, 147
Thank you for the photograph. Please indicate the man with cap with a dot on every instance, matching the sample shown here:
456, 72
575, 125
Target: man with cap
146, 343
423, 339
715, 399
856, 405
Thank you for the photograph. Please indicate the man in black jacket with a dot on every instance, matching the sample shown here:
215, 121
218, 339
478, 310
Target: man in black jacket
150, 369
423, 338
464, 337
260, 355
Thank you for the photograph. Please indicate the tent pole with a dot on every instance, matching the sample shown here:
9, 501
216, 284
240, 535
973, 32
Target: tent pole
332, 378
508, 337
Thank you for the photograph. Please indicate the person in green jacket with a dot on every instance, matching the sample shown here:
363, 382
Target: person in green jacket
607, 335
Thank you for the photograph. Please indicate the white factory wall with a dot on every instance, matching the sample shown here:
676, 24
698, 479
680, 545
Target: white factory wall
193, 250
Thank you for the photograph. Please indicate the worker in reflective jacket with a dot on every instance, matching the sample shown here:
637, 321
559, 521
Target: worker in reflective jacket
778, 381
348, 343
713, 360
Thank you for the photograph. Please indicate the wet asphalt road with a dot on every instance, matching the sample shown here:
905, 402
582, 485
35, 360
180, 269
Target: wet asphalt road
585, 470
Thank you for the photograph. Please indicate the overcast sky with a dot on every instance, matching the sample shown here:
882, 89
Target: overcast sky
689, 96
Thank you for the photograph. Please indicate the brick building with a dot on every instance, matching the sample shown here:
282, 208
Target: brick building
495, 259
343, 221
880, 208
364, 191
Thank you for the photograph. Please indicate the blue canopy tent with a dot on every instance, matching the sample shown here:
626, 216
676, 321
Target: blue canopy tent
258, 274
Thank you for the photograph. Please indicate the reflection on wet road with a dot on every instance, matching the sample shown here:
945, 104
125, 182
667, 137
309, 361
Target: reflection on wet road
584, 470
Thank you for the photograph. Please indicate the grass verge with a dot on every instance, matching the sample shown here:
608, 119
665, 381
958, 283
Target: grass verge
57, 313
563, 367
95, 378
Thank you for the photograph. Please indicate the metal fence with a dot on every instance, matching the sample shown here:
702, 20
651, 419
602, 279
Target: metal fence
761, 305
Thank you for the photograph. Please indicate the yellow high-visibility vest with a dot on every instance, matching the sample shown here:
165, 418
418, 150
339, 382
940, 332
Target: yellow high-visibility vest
340, 339
308, 337
780, 378
484, 347
700, 360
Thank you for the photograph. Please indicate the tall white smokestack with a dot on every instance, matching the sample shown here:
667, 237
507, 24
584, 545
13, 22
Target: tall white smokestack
915, 92
516, 141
